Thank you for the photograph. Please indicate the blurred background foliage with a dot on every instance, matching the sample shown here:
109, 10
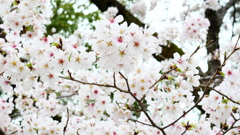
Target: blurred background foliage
69, 15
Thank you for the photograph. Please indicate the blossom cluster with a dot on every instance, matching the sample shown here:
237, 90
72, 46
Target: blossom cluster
24, 17
139, 8
127, 45
196, 28
215, 4
55, 85
111, 13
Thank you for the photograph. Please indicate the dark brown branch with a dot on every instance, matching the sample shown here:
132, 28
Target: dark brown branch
143, 108
184, 131
128, 86
224, 96
13, 9
233, 117
103, 5
216, 20
1, 132
207, 85
232, 126
234, 16
13, 132
140, 122
143, 97
65, 127
196, 104
199, 47
2, 73
162, 77
114, 79
96, 84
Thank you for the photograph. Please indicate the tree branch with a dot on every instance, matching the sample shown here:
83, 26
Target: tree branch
216, 20
225, 96
96, 84
232, 126
140, 122
65, 127
143, 108
207, 85
103, 5
163, 76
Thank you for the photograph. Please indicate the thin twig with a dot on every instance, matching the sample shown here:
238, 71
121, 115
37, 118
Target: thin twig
206, 86
143, 109
205, 90
234, 50
140, 122
1, 32
207, 44
114, 79
224, 95
199, 47
162, 77
233, 117
70, 74
2, 73
65, 127
184, 131
221, 130
128, 86
13, 9
96, 84
143, 97
231, 127
237, 42
13, 132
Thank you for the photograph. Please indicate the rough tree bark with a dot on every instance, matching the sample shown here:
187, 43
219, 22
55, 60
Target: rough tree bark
216, 21
103, 5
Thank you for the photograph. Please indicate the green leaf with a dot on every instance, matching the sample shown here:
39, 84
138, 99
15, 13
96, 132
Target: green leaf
29, 28
161, 71
15, 3
193, 126
112, 96
90, 101
54, 44
170, 78
183, 124
225, 101
179, 70
222, 74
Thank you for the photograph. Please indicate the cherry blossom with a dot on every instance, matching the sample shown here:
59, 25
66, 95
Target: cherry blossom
54, 85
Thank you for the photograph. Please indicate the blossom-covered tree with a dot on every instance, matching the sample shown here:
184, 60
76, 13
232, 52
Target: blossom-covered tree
138, 70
